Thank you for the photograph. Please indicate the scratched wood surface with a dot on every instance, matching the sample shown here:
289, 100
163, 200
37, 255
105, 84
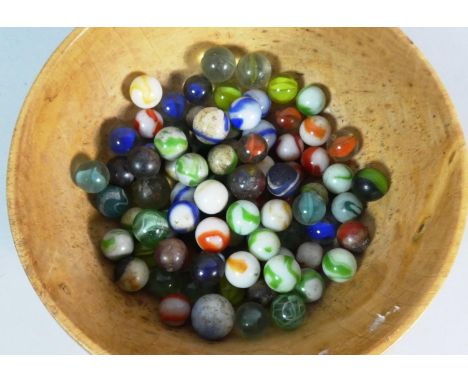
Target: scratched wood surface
378, 82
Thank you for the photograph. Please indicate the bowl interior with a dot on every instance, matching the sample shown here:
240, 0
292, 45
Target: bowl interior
378, 82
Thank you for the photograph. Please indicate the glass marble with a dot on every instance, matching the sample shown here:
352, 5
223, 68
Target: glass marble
119, 171
266, 130
252, 148
233, 294
293, 236
145, 253
225, 94
317, 187
144, 162
252, 319
171, 143
193, 111
288, 119
245, 113
266, 164
151, 192
262, 98
211, 196
338, 178
344, 144
311, 100
247, 182
315, 130
170, 254
282, 88
131, 274
264, 243
174, 309
315, 160
222, 159
242, 269
353, 236
212, 234
208, 269
129, 216
288, 311
148, 122
117, 243
370, 184
253, 70
218, 64
150, 227
194, 291
309, 208
122, 140
112, 202
276, 215
170, 169
211, 125
243, 217
283, 180
191, 169
182, 192
162, 283
198, 89
339, 265
289, 147
323, 231
183, 216
173, 106
282, 273
145, 91
309, 255
213, 317
311, 286
346, 206
92, 176
261, 293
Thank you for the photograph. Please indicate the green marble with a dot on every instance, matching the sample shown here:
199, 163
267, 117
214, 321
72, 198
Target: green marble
92, 176
150, 227
112, 202
339, 265
233, 294
288, 311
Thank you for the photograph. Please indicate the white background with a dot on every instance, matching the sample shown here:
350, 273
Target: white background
25, 325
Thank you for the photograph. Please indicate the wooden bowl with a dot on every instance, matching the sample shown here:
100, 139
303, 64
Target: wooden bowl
379, 82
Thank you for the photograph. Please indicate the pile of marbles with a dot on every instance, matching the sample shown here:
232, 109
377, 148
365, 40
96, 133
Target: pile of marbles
236, 199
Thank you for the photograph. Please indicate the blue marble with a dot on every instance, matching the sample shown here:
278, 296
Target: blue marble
112, 202
208, 269
92, 176
262, 98
182, 192
197, 89
283, 180
183, 216
322, 231
266, 130
122, 139
245, 113
173, 106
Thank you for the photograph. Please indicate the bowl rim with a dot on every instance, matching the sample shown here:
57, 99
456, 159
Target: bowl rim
87, 343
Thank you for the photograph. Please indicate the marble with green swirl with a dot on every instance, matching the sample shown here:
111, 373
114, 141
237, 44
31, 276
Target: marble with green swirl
112, 202
346, 206
171, 143
191, 169
288, 311
339, 265
150, 227
282, 273
243, 217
